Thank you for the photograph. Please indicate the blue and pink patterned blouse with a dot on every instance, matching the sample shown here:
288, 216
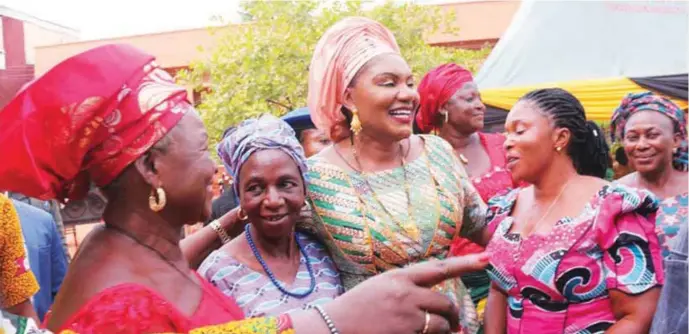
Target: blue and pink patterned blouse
258, 296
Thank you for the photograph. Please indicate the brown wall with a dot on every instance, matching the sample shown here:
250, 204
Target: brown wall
479, 22
174, 49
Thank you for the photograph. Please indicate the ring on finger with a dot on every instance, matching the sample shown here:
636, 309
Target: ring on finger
426, 324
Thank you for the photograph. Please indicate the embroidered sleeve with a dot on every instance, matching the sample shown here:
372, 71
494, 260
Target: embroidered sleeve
17, 282
626, 235
269, 325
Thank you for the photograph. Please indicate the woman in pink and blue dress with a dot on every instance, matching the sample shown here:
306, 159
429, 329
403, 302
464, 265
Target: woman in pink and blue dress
653, 133
571, 253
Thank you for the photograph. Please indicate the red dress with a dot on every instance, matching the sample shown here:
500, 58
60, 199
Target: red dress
134, 308
497, 180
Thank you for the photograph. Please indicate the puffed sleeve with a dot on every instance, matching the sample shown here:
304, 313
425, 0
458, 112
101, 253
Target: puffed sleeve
625, 231
17, 282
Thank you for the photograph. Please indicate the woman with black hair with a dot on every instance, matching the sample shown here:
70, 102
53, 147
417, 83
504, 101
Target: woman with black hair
571, 252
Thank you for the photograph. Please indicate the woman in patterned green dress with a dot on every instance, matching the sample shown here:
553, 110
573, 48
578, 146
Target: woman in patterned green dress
380, 197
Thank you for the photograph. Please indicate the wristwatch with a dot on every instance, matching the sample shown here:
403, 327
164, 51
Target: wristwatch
222, 234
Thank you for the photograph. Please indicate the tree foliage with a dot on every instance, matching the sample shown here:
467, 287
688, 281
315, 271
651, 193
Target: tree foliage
262, 65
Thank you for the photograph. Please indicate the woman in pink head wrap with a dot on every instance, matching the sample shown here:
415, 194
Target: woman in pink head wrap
381, 197
451, 107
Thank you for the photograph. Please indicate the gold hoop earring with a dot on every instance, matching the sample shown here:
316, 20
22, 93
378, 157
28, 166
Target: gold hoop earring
446, 115
355, 125
157, 200
241, 215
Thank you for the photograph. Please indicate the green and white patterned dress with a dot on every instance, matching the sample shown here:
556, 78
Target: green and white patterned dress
368, 232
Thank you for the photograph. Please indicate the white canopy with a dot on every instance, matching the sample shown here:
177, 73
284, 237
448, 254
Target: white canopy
556, 41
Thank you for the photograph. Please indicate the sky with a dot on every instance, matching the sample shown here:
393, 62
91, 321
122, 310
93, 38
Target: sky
96, 19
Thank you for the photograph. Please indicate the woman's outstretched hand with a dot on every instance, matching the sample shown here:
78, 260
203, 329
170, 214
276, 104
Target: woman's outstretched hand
397, 301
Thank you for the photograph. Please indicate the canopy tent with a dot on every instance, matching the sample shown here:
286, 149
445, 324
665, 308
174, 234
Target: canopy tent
598, 50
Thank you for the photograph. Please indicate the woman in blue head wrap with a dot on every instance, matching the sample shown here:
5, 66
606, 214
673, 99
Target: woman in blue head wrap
289, 270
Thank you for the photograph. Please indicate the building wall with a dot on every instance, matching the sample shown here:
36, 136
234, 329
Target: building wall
36, 35
175, 49
479, 23
16, 72
19, 36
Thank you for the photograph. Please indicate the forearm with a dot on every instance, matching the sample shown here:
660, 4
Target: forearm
629, 325
495, 314
197, 246
24, 309
309, 322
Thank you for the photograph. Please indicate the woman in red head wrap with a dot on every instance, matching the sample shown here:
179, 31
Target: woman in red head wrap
112, 117
451, 107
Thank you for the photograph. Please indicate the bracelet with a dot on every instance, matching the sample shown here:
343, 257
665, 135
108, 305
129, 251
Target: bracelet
220, 231
326, 318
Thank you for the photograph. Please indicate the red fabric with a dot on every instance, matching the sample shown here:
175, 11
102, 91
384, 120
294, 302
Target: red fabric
435, 89
496, 181
134, 308
86, 119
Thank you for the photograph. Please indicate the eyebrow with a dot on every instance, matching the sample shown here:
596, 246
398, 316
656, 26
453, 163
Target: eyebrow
411, 76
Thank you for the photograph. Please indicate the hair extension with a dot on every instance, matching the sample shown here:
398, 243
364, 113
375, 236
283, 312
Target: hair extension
587, 146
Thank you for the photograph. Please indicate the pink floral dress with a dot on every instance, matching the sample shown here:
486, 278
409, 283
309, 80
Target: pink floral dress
559, 282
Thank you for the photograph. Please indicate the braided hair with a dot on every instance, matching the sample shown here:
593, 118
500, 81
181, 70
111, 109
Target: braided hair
587, 146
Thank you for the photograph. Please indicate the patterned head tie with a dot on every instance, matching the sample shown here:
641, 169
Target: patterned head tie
635, 102
339, 55
257, 134
86, 120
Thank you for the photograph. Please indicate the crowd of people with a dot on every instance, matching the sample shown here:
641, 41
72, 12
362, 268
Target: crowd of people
379, 208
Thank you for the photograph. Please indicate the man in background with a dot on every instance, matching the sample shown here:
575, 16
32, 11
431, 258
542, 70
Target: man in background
47, 258
312, 140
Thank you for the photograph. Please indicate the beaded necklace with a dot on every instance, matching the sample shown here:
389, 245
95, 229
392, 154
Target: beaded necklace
270, 274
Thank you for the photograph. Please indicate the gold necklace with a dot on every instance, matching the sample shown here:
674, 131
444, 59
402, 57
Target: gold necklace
550, 208
410, 227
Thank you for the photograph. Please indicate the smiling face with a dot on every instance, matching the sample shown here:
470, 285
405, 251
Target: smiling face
271, 192
649, 139
530, 141
465, 109
384, 95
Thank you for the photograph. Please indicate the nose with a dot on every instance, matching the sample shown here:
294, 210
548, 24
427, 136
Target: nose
273, 199
408, 94
479, 105
509, 142
642, 143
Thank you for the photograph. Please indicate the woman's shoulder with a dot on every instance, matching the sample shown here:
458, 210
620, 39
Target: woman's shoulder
220, 260
628, 180
128, 306
626, 199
